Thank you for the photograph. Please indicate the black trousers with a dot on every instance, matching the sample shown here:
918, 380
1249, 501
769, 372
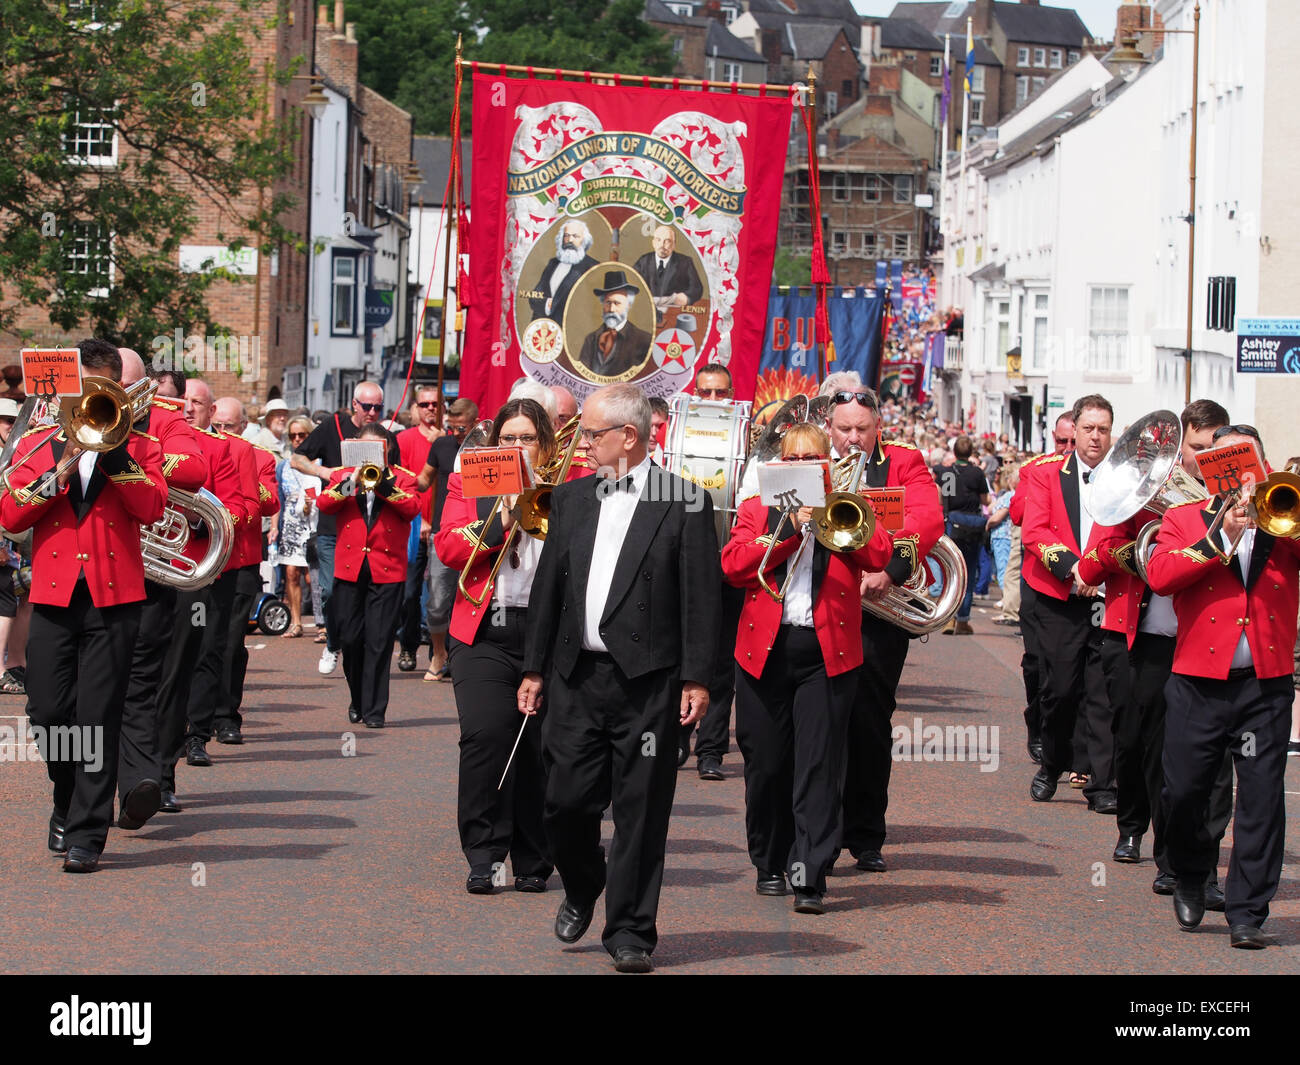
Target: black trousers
140, 757
179, 665
207, 679
409, 633
791, 726
1251, 719
234, 665
1030, 660
78, 664
870, 735
364, 614
1073, 684
495, 824
607, 739
714, 738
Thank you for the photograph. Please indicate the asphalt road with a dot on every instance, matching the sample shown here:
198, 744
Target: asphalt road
318, 847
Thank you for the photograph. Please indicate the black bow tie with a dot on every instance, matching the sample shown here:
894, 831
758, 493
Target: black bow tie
623, 484
1086, 475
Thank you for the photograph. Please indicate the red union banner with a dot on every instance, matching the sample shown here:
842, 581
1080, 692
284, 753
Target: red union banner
621, 233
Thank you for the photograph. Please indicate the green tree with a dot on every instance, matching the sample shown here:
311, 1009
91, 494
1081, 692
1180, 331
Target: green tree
791, 268
178, 87
408, 47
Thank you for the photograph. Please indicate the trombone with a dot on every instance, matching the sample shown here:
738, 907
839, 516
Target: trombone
1274, 507
531, 511
843, 523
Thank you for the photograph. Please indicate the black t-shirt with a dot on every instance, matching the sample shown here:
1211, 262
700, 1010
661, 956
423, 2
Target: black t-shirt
325, 445
442, 457
961, 486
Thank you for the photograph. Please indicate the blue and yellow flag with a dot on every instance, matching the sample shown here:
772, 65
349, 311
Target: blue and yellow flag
970, 54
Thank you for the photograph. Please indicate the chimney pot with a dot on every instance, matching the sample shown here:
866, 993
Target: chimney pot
323, 15
338, 18
351, 32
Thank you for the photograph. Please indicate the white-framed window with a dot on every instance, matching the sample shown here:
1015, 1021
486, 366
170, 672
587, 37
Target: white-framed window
1056, 59
870, 188
840, 188
1038, 83
832, 103
1040, 57
685, 10
677, 46
1002, 332
1022, 57
1039, 349
977, 110
1022, 89
88, 252
839, 242
731, 72
977, 79
902, 245
936, 66
343, 320
1108, 328
91, 139
1072, 56
868, 244
903, 188
729, 16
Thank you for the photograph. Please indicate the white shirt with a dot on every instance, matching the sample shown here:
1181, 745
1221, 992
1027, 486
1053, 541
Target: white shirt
86, 468
1159, 618
1085, 515
616, 510
797, 608
1241, 657
513, 585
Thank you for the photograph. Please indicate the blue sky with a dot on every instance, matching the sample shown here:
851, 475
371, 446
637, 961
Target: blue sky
1097, 15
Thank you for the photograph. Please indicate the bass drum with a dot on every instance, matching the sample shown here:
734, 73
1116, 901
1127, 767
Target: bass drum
706, 444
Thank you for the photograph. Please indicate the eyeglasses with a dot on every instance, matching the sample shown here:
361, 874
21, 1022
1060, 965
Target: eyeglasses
427, 405
1065, 440
803, 458
595, 434
511, 439
225, 427
864, 399
455, 430
713, 393
369, 407
1230, 430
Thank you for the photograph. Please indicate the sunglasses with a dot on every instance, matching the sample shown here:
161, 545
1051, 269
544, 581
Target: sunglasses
369, 407
1065, 440
864, 399
426, 405
803, 458
713, 393
1230, 430
297, 436
456, 430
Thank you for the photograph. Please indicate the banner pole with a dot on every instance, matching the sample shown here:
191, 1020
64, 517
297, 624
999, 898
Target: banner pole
450, 208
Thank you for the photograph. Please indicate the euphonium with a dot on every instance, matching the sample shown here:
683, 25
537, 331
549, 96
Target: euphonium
909, 605
162, 543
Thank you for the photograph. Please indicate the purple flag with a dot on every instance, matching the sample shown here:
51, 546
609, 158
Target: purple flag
946, 100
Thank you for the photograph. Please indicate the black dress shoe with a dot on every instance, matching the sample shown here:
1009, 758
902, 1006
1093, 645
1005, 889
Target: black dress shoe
1043, 786
479, 884
230, 734
808, 902
377, 723
632, 960
196, 752
1214, 896
1164, 884
530, 885
683, 753
871, 862
711, 768
1128, 849
58, 826
406, 661
1104, 802
168, 803
572, 921
80, 860
1248, 937
140, 804
1189, 904
770, 883
1035, 747
354, 715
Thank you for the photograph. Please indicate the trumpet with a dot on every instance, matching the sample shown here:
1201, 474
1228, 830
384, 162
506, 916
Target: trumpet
367, 476
531, 511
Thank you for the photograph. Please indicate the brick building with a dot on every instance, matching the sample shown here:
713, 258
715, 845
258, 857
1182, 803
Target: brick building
703, 45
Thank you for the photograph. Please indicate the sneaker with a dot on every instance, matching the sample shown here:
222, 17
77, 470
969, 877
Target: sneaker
328, 660
1293, 748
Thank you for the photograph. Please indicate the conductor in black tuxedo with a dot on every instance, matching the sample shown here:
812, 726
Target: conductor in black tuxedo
672, 277
623, 620
616, 345
571, 261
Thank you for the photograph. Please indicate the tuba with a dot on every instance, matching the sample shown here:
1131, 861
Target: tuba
162, 543
910, 606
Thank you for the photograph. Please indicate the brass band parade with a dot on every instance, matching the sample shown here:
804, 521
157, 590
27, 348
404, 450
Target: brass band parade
777, 488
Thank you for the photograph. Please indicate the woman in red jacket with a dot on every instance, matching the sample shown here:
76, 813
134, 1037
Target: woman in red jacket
799, 662
485, 651
369, 575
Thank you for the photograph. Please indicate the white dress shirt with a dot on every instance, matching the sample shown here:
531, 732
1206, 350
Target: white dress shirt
616, 510
797, 608
86, 468
560, 272
513, 585
1241, 657
1085, 515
